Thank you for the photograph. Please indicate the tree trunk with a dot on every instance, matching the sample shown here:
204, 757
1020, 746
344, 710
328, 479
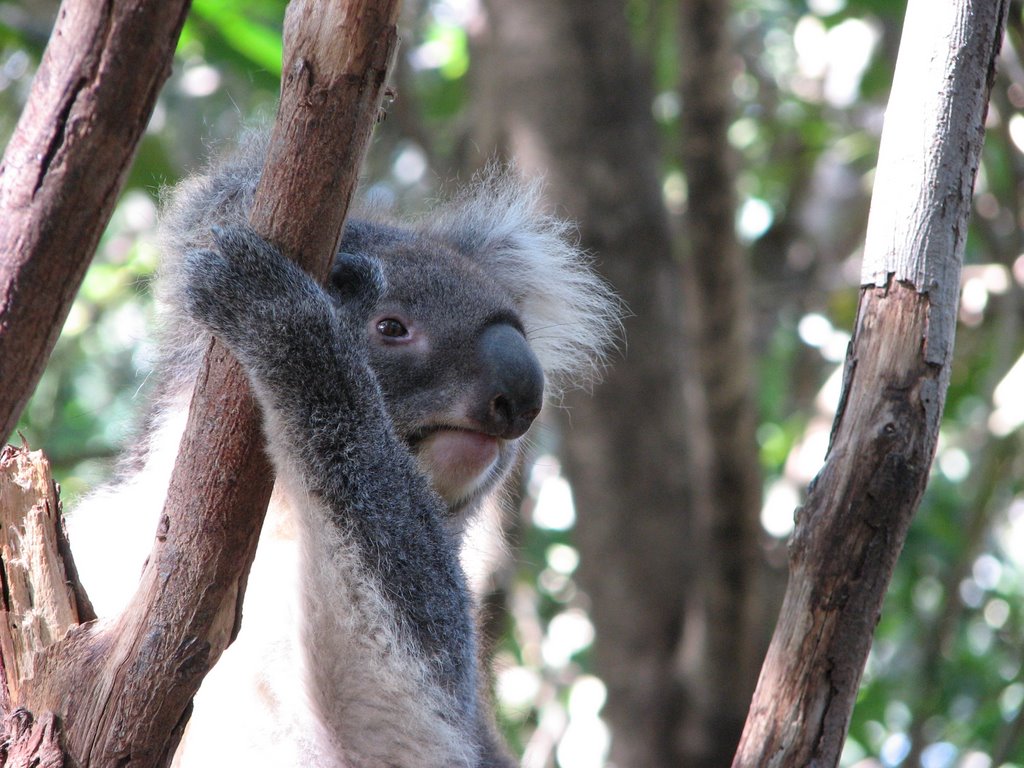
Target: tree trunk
724, 630
64, 166
575, 103
123, 691
667, 485
851, 530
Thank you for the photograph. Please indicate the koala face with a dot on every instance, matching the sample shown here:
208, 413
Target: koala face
450, 354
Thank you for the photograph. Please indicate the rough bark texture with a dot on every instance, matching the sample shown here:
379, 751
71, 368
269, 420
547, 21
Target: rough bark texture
63, 169
337, 56
575, 106
124, 690
30, 743
39, 604
852, 528
724, 637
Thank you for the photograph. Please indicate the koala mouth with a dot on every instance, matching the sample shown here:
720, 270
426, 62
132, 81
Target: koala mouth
455, 459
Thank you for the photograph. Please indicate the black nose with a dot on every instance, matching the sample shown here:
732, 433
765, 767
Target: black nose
512, 381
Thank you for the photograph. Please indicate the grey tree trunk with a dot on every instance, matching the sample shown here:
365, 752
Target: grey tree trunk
663, 455
725, 629
573, 102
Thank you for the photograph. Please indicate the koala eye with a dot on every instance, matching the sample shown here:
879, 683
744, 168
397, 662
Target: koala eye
391, 328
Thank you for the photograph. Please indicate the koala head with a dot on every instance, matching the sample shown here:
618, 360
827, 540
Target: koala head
489, 308
450, 351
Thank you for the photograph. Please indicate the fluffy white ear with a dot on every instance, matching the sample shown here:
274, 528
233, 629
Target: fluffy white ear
571, 315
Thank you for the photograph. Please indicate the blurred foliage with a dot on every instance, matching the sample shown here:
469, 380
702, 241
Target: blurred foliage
944, 684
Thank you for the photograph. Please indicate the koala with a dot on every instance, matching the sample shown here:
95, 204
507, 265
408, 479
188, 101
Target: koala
395, 401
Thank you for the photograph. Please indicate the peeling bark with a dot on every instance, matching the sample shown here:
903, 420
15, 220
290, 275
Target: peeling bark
39, 603
29, 743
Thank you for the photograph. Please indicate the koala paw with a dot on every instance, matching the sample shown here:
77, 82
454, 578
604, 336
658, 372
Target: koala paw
243, 287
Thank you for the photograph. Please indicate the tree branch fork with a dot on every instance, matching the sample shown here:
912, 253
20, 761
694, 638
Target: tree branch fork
118, 692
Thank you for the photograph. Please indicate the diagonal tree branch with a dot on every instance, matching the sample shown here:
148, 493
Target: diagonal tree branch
64, 166
852, 528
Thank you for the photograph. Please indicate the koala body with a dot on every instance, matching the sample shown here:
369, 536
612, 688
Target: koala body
394, 400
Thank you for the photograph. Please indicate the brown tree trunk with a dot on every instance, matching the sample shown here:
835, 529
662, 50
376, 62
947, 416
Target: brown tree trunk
575, 103
63, 169
123, 691
724, 633
850, 531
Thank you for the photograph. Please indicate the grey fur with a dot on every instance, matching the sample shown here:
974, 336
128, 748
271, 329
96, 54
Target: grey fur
485, 284
308, 361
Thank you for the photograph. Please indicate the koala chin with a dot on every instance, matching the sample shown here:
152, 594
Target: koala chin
458, 462
395, 399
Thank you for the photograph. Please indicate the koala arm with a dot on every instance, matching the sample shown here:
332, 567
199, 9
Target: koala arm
375, 520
